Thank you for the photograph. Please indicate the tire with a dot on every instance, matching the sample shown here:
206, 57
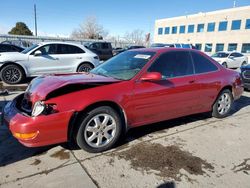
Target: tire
244, 63
84, 67
224, 64
12, 74
94, 135
223, 104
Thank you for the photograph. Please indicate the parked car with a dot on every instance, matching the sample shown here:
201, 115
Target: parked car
127, 48
10, 48
132, 89
180, 45
245, 74
230, 59
46, 58
159, 45
20, 43
103, 49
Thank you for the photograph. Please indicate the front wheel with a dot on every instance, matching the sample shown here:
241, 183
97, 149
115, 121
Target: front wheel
223, 104
99, 130
12, 74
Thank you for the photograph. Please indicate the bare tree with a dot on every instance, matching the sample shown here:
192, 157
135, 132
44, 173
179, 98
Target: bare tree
135, 37
90, 29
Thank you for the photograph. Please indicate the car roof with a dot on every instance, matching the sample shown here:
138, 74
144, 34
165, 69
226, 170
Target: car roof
162, 50
60, 42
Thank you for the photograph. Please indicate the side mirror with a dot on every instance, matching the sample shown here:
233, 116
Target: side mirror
38, 53
231, 57
152, 76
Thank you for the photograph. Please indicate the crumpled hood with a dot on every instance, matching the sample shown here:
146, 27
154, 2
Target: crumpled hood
12, 56
41, 86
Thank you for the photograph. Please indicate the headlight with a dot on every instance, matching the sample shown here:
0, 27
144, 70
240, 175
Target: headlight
41, 108
38, 108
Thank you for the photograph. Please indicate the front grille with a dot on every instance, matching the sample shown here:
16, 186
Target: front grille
246, 74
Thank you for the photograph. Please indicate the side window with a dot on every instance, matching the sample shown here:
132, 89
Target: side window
48, 49
105, 46
202, 64
173, 64
69, 49
233, 54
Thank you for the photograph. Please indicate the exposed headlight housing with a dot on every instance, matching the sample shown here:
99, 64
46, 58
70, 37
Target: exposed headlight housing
41, 108
38, 108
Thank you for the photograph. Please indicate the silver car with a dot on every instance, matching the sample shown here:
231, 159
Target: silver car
46, 58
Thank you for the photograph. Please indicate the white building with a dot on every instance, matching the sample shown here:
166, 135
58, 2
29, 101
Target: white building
222, 30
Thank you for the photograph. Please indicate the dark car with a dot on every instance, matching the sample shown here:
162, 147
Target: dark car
10, 48
132, 89
245, 74
115, 52
103, 49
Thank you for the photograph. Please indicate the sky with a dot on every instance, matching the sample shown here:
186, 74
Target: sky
61, 17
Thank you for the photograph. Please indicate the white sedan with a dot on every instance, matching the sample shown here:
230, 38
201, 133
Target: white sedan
230, 59
46, 58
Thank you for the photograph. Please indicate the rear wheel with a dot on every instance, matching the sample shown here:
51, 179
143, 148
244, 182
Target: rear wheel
12, 74
223, 104
85, 67
224, 64
99, 130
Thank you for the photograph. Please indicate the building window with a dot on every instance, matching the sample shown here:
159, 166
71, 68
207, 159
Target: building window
248, 24
174, 30
232, 47
167, 30
219, 47
223, 26
245, 48
198, 46
182, 29
160, 31
208, 47
236, 24
210, 27
190, 28
200, 28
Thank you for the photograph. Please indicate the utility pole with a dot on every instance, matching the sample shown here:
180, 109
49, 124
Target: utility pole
234, 3
35, 19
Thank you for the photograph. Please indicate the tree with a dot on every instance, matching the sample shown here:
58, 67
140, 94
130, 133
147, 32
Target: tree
90, 29
135, 37
20, 29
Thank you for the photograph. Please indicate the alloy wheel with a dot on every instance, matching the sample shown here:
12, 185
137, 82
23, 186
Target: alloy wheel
11, 74
100, 130
224, 103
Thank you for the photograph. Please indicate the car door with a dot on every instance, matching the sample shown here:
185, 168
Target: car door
46, 62
70, 57
235, 59
174, 96
240, 59
207, 75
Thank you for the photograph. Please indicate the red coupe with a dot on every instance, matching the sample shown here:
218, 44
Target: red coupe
134, 88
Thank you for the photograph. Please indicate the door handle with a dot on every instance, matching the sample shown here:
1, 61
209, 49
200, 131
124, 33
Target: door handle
78, 57
192, 81
56, 58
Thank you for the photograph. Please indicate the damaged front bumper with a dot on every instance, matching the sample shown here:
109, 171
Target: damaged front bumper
36, 131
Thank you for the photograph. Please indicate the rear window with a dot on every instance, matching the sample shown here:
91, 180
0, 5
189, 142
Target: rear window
202, 64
